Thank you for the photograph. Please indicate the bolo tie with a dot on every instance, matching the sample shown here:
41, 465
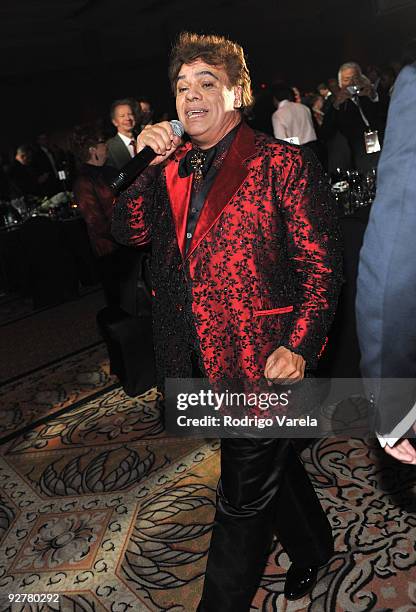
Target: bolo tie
197, 161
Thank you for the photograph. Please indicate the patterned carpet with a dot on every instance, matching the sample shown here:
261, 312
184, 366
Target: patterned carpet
101, 507
41, 337
53, 388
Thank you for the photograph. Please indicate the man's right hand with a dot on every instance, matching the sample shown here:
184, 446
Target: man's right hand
161, 138
402, 451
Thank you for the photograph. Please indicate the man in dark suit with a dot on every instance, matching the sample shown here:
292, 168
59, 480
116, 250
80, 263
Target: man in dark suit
386, 289
24, 179
355, 109
122, 146
326, 94
246, 274
45, 161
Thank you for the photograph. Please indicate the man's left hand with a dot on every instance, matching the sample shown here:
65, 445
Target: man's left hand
366, 88
283, 366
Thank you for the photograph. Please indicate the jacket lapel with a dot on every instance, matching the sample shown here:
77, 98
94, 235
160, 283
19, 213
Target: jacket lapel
230, 177
179, 190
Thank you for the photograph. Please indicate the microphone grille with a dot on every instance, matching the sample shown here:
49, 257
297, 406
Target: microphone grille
177, 127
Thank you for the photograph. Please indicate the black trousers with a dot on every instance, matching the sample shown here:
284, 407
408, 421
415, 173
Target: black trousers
263, 489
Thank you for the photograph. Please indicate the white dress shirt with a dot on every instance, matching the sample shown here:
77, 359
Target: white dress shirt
127, 140
293, 121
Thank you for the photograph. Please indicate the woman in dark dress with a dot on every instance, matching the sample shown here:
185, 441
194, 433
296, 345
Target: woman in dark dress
95, 201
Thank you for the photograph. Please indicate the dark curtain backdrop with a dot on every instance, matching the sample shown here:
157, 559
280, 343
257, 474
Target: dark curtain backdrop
73, 77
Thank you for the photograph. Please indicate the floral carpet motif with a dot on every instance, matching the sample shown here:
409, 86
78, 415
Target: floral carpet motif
113, 416
62, 542
121, 547
53, 388
159, 522
370, 501
100, 506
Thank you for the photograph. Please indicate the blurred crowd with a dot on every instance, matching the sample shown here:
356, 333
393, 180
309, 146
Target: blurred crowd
40, 169
342, 121
334, 118
330, 120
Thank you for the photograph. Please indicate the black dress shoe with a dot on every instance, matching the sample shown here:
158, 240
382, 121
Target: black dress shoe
300, 581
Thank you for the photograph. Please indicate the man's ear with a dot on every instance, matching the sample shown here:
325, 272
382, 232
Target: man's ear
114, 122
238, 96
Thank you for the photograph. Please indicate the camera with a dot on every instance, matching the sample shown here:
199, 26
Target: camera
353, 90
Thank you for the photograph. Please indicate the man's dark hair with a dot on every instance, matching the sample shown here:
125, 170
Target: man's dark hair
84, 137
215, 51
24, 148
282, 91
322, 86
122, 102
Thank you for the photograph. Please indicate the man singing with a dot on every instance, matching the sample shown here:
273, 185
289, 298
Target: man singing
246, 273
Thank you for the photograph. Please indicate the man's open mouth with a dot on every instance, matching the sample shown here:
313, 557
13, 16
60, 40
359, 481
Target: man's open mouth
196, 113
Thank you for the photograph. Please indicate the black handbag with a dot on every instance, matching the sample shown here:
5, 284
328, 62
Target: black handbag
129, 341
127, 329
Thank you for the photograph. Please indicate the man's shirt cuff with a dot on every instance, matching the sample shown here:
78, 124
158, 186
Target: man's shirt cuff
398, 431
386, 441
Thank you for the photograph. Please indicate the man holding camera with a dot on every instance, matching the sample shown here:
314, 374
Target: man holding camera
357, 114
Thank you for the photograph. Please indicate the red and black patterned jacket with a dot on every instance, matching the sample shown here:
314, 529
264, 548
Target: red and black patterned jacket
263, 268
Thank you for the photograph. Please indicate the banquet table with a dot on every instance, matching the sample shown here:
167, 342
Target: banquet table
46, 259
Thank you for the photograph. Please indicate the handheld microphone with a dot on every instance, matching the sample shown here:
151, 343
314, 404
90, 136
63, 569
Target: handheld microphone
140, 161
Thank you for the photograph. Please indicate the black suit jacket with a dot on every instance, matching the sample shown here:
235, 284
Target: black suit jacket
118, 153
328, 102
348, 121
23, 180
42, 164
